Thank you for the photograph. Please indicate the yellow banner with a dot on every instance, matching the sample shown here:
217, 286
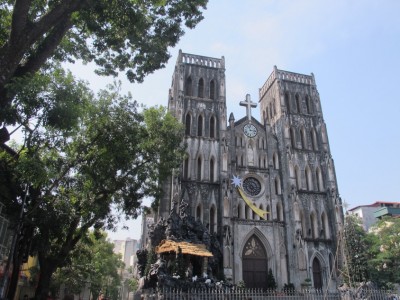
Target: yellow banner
257, 210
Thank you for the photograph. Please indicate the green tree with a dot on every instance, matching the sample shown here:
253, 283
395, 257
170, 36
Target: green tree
384, 252
271, 283
355, 251
86, 160
118, 35
92, 261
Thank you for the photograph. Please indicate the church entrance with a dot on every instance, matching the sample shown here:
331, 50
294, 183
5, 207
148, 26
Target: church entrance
254, 264
317, 273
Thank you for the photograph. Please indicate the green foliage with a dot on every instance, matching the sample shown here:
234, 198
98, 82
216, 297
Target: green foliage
151, 259
92, 261
132, 284
117, 35
83, 156
384, 252
241, 284
271, 283
355, 251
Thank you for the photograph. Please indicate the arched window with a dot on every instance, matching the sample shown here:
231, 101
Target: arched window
200, 126
308, 178
287, 101
303, 138
198, 213
325, 229
317, 274
298, 104
199, 168
313, 228
188, 87
212, 89
293, 137
278, 212
277, 186
275, 161
320, 182
307, 100
246, 212
269, 213
241, 160
200, 91
239, 212
298, 179
310, 105
212, 127
186, 168
188, 122
212, 170
212, 219
264, 116
314, 139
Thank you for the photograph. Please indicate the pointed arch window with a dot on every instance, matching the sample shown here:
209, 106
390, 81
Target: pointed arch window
188, 123
324, 223
293, 137
188, 87
320, 182
308, 178
278, 212
200, 126
277, 186
198, 213
275, 160
212, 89
297, 175
212, 127
239, 211
212, 219
298, 106
307, 104
186, 168
314, 139
287, 101
268, 215
303, 138
212, 170
200, 91
199, 168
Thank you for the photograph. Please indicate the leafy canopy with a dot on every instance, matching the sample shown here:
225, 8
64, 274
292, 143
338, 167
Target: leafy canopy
131, 36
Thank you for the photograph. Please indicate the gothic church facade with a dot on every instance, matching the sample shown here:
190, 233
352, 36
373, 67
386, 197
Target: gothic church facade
266, 189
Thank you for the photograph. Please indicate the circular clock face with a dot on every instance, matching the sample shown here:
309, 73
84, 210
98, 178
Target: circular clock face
250, 130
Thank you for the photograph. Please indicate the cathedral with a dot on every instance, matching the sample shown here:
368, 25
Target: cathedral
266, 189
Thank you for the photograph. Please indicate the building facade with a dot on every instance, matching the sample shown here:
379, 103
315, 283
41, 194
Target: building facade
267, 189
369, 214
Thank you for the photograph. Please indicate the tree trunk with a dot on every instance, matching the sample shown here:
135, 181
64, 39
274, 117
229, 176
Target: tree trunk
12, 287
47, 268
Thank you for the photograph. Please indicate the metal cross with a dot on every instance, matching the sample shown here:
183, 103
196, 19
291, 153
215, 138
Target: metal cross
248, 105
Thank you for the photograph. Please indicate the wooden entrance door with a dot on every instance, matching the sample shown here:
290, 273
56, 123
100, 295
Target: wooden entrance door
254, 264
317, 273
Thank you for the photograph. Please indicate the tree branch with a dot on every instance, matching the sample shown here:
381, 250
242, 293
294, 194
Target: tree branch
19, 19
45, 49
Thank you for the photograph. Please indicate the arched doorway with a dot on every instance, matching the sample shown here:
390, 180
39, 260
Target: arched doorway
255, 264
317, 273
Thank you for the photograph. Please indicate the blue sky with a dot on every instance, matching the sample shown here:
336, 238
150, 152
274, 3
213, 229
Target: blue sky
351, 46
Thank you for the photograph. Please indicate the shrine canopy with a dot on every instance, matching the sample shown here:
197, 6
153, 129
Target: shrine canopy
186, 248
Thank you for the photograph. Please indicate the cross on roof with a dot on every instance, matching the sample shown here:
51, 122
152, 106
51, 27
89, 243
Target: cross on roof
248, 105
